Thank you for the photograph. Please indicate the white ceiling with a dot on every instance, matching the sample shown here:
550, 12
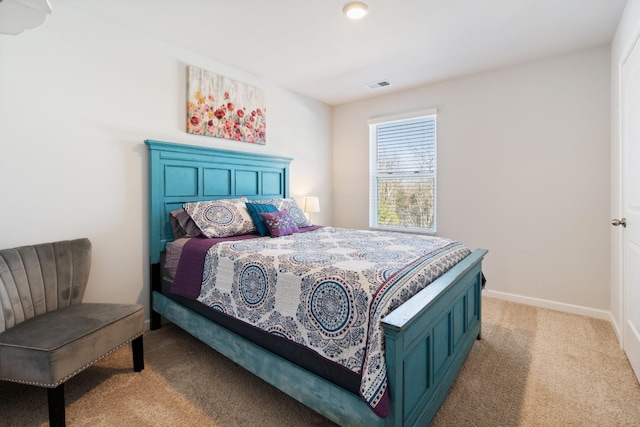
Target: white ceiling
310, 47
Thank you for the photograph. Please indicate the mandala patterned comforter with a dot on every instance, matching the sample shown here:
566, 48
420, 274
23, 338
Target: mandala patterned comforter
327, 290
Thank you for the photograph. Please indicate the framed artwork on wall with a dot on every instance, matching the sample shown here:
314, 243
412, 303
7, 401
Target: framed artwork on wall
221, 107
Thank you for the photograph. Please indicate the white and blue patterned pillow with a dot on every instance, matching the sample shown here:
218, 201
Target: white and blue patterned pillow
289, 204
221, 218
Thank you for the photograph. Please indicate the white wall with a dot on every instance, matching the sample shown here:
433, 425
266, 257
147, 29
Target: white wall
523, 156
78, 96
523, 171
628, 31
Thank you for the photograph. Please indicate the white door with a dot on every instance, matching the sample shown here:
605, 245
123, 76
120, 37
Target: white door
630, 113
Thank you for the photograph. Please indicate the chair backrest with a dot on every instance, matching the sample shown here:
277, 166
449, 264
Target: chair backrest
41, 278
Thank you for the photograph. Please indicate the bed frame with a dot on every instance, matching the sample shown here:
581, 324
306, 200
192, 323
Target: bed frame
427, 339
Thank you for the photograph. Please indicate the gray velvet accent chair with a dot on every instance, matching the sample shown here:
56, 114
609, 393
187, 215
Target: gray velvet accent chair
47, 335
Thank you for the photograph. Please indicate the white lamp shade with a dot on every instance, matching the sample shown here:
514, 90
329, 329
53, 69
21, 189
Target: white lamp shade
311, 204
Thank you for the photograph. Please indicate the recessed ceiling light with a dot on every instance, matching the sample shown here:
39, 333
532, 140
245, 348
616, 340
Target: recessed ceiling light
355, 10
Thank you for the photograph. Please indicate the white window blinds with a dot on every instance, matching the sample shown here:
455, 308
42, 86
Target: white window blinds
403, 173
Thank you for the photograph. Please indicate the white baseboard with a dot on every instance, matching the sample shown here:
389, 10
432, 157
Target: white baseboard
616, 328
552, 305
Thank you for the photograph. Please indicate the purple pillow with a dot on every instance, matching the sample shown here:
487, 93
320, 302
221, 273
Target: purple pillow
279, 223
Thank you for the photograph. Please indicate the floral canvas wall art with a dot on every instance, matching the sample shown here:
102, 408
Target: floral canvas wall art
224, 108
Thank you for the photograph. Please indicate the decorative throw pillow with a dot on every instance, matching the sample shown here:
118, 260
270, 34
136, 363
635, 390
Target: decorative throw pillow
254, 211
289, 204
221, 218
279, 223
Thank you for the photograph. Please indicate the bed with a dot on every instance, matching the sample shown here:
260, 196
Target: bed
426, 339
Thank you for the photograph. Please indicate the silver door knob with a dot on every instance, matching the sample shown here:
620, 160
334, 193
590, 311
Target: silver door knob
617, 222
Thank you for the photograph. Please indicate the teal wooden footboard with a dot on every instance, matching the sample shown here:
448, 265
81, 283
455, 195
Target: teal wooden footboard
427, 340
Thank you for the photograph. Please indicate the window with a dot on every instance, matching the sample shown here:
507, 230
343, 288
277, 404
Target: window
403, 173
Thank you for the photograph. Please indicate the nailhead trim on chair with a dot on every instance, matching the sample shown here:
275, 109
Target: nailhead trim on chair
77, 371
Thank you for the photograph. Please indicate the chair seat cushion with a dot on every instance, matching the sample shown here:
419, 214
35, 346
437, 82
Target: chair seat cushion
52, 347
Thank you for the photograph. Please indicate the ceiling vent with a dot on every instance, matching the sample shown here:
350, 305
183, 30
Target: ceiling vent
378, 85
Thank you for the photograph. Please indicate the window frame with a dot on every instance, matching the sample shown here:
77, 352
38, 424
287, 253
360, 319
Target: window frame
374, 175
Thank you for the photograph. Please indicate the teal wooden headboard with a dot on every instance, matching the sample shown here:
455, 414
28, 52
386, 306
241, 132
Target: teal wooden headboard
181, 173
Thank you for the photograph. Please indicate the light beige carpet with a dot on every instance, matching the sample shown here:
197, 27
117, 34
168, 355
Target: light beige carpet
533, 367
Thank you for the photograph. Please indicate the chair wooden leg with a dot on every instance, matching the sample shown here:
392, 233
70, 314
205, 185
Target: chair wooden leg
55, 396
138, 354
